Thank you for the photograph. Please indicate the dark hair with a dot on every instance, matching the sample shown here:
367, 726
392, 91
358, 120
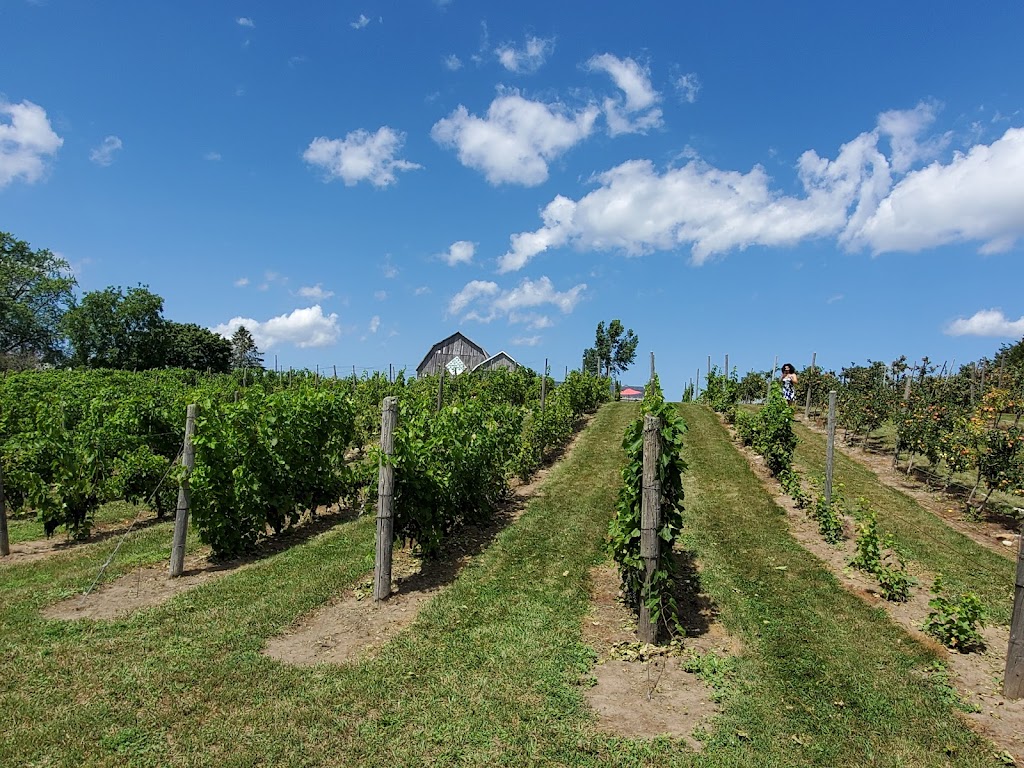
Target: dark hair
790, 366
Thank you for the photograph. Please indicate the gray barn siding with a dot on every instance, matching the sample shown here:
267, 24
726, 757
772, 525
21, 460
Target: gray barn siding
445, 351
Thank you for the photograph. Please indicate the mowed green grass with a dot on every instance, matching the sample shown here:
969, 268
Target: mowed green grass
827, 680
919, 535
490, 672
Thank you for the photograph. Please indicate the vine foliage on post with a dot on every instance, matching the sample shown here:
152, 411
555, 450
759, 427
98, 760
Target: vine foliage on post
657, 595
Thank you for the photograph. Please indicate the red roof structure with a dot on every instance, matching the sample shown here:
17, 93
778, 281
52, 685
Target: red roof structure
630, 392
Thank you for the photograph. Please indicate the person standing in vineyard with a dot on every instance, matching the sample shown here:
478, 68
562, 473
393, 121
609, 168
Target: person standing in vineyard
789, 382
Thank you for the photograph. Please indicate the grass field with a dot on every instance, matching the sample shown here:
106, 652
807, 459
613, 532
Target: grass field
491, 671
920, 536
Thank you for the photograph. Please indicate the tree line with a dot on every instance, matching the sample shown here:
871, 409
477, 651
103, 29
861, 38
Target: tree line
42, 322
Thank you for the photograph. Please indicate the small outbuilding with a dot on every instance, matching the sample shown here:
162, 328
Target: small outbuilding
456, 354
501, 360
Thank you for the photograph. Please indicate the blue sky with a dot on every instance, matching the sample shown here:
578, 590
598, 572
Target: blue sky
357, 180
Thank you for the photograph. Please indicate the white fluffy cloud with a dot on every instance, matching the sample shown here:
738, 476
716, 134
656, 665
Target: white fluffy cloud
987, 322
360, 156
26, 141
636, 111
315, 292
486, 301
516, 140
526, 341
244, 21
104, 153
529, 58
460, 252
302, 328
977, 196
361, 22
472, 291
452, 63
637, 209
374, 323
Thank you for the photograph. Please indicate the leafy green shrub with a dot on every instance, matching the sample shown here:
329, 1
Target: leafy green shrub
893, 580
747, 425
776, 440
624, 530
793, 486
721, 392
955, 620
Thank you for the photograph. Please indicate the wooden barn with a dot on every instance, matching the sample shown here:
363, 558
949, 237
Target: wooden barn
494, 362
456, 354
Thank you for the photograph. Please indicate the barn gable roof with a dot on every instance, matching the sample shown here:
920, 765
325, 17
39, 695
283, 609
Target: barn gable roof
444, 343
493, 358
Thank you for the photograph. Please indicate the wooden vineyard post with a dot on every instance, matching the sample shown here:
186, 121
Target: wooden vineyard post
727, 366
650, 513
188, 460
652, 366
440, 389
385, 502
1013, 678
709, 367
807, 407
696, 387
771, 379
5, 541
543, 385
830, 445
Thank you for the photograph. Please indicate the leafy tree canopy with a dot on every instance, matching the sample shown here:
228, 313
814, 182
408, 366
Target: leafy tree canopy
244, 352
35, 292
114, 329
614, 349
189, 345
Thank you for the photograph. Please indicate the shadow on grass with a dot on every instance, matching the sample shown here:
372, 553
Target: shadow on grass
310, 525
697, 611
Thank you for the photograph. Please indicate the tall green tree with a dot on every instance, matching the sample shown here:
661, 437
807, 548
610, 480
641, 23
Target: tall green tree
614, 348
188, 345
244, 352
591, 363
116, 329
35, 292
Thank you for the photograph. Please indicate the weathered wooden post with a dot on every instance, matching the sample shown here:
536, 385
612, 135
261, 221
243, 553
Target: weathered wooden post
727, 366
5, 541
650, 514
771, 379
188, 461
1013, 679
385, 501
830, 445
543, 385
696, 387
807, 408
652, 366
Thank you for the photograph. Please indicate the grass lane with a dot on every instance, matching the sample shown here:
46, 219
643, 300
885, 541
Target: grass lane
919, 535
827, 680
